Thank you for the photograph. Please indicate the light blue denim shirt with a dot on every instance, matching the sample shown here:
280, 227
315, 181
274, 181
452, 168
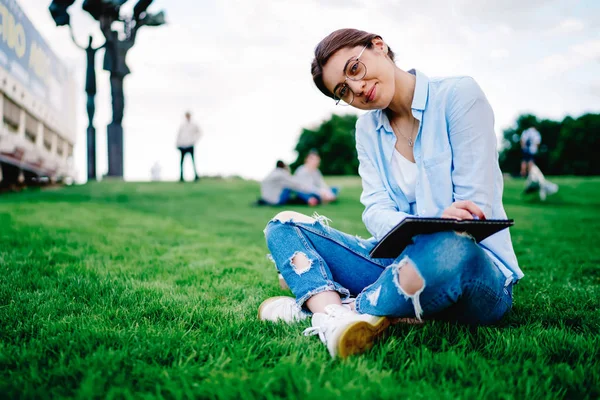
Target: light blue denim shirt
456, 156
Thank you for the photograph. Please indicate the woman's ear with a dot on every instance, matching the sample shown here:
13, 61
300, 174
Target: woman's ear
379, 44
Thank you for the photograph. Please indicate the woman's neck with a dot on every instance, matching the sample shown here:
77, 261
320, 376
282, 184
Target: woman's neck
401, 104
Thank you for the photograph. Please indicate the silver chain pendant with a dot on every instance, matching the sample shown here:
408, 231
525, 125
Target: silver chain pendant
410, 142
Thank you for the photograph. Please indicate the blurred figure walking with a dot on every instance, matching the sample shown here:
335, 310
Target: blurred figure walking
189, 133
530, 140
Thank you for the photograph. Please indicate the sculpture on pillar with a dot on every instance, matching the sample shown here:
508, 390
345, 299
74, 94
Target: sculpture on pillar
115, 53
90, 90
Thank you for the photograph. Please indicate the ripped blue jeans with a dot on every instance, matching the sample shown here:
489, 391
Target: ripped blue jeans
461, 283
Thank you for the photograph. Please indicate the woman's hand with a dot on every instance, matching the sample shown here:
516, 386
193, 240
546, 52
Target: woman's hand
464, 209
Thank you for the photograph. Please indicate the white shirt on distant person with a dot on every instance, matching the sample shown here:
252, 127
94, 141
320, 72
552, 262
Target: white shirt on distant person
311, 177
189, 133
531, 138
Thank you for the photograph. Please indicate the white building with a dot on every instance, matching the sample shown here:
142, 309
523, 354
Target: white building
37, 103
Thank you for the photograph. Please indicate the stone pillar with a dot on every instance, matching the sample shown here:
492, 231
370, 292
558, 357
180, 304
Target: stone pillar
115, 150
91, 153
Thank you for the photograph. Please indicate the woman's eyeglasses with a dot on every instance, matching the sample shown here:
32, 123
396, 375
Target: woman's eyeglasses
355, 70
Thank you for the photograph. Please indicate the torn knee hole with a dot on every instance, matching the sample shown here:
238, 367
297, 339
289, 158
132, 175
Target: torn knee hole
410, 283
286, 216
300, 263
410, 280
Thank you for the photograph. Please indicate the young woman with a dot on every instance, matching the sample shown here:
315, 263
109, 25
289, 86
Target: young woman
427, 148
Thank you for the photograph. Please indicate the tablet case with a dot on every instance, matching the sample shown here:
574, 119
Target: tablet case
401, 235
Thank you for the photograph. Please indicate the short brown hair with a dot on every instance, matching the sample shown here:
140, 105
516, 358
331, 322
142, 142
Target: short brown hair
335, 41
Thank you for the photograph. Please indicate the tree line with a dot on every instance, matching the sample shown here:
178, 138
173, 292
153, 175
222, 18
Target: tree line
568, 147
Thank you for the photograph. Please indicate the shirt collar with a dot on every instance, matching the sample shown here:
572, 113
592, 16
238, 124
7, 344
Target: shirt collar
419, 99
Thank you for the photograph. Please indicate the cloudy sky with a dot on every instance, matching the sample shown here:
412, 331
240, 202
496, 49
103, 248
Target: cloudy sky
242, 68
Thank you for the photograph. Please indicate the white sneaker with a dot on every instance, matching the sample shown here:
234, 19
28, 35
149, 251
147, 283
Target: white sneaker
551, 188
281, 308
346, 332
285, 309
543, 193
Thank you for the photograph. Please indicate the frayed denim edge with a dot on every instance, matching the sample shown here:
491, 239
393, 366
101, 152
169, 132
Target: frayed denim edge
416, 297
330, 287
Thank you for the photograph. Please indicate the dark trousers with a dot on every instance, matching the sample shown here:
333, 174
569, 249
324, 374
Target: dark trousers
187, 150
287, 196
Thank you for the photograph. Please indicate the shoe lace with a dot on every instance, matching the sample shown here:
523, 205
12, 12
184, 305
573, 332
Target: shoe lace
323, 329
315, 330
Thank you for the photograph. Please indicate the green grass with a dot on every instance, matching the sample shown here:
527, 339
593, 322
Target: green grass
123, 290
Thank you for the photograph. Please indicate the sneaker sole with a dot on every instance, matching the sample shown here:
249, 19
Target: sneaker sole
360, 336
266, 302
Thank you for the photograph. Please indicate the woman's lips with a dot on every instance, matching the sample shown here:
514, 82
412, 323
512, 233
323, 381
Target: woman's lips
371, 94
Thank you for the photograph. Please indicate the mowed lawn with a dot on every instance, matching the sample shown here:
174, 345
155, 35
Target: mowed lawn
142, 290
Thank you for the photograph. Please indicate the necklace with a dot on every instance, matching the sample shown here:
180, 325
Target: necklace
409, 139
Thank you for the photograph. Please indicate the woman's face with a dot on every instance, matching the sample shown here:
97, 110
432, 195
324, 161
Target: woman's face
376, 88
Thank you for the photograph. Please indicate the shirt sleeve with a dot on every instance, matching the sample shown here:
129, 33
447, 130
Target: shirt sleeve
321, 181
301, 174
381, 213
473, 142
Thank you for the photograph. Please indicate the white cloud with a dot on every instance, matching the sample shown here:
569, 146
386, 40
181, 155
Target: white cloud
516, 14
499, 53
577, 55
567, 26
588, 50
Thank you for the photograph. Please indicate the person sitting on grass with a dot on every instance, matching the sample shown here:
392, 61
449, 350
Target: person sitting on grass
309, 173
426, 148
280, 187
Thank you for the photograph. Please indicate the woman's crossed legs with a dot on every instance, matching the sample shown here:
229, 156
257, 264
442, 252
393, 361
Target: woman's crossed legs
443, 275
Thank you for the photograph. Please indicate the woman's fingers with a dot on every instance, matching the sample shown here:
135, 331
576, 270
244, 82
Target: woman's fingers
470, 207
463, 209
456, 213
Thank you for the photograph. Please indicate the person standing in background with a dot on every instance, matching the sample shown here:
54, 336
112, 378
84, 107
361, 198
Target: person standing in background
530, 140
189, 133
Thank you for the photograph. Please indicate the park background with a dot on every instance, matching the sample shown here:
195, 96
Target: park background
150, 290
242, 68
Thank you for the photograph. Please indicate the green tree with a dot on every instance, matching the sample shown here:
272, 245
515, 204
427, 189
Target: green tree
577, 145
334, 140
567, 147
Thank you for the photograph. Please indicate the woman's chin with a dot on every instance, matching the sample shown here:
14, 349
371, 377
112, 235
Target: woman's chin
375, 105
372, 105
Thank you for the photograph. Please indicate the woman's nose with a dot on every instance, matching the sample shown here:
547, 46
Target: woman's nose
357, 87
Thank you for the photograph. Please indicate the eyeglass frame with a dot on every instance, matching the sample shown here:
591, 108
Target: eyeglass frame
337, 102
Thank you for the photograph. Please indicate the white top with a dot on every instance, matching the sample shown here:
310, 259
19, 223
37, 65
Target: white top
405, 173
310, 177
531, 139
188, 134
